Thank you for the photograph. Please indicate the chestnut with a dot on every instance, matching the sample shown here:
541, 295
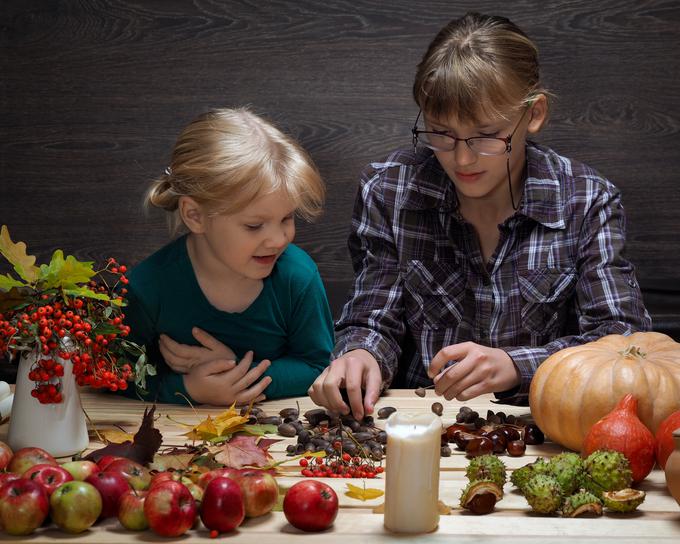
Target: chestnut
498, 439
479, 445
516, 448
533, 435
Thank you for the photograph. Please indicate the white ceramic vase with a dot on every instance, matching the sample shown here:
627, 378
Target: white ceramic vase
60, 429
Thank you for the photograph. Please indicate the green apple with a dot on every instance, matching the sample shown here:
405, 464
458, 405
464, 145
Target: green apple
80, 470
75, 506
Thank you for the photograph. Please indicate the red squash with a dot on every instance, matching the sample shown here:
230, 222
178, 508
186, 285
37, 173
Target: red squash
621, 430
664, 438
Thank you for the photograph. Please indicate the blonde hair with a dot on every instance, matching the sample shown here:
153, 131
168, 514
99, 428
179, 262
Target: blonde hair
226, 158
478, 65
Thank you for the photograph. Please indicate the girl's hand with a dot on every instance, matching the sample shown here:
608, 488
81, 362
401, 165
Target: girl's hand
353, 371
182, 357
222, 382
478, 370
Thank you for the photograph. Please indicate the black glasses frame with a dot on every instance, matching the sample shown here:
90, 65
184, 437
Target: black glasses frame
507, 140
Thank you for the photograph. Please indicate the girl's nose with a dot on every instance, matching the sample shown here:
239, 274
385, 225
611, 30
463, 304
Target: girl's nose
463, 154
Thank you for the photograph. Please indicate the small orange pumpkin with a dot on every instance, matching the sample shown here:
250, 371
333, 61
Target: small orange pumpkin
577, 386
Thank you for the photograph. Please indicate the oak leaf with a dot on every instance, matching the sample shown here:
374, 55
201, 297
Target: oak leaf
115, 436
23, 263
142, 448
242, 451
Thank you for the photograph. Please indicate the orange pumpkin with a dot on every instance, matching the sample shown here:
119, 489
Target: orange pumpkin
577, 386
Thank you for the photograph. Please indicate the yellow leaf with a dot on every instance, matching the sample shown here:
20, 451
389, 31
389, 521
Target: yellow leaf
224, 424
23, 263
365, 494
115, 436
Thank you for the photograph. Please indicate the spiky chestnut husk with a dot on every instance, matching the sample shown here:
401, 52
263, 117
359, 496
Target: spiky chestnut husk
623, 500
522, 475
606, 470
481, 496
487, 467
544, 494
567, 468
581, 503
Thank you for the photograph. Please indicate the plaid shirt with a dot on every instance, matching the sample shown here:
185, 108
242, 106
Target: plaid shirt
557, 279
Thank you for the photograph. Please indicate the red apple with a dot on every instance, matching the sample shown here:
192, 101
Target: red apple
5, 455
176, 476
111, 485
137, 475
25, 458
23, 506
260, 492
8, 477
225, 472
222, 507
106, 460
170, 509
310, 505
75, 506
48, 476
81, 470
131, 510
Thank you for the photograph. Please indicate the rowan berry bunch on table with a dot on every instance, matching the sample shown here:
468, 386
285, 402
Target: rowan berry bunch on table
67, 310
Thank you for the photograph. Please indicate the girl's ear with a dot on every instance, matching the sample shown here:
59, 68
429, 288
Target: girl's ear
192, 214
538, 113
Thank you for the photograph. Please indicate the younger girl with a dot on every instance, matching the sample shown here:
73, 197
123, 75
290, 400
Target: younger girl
232, 311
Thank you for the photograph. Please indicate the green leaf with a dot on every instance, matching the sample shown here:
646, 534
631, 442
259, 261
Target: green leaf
87, 293
67, 273
7, 282
105, 328
108, 311
23, 263
259, 429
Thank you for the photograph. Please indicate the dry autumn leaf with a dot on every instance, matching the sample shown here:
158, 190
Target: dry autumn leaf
115, 436
222, 426
242, 451
142, 449
365, 494
23, 264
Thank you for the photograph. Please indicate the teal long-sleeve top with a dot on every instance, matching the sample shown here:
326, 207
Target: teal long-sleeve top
289, 322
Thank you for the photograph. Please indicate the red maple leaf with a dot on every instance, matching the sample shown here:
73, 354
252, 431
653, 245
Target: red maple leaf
243, 451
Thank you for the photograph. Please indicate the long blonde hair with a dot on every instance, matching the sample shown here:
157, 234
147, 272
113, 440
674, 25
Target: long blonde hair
226, 158
478, 65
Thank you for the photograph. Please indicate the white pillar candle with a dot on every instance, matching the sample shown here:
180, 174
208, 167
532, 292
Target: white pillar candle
412, 472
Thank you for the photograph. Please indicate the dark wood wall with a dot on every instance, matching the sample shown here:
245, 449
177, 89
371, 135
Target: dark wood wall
94, 93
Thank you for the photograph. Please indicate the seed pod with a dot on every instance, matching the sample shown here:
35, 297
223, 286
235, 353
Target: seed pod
269, 420
289, 412
316, 416
480, 497
381, 437
286, 429
362, 437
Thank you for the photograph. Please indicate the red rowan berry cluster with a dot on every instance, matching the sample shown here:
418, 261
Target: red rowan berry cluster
83, 325
339, 464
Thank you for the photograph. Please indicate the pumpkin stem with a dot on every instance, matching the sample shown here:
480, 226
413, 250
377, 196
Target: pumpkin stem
633, 351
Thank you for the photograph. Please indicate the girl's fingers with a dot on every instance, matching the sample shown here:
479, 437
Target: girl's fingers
252, 375
255, 391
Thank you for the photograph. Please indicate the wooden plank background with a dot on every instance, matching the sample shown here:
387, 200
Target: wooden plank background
94, 93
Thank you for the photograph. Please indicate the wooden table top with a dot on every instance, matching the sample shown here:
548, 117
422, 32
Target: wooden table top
658, 518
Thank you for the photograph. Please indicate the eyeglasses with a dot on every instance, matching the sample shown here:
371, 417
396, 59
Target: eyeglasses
440, 140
